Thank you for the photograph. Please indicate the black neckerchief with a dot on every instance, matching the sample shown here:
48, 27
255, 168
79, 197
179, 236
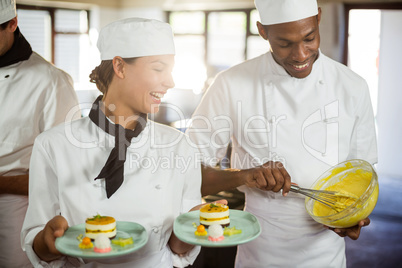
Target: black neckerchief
20, 51
113, 171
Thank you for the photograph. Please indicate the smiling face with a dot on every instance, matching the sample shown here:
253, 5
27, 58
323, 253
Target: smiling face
148, 80
294, 45
138, 87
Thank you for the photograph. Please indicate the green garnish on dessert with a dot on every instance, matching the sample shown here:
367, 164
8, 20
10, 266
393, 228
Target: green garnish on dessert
123, 241
79, 237
231, 231
96, 217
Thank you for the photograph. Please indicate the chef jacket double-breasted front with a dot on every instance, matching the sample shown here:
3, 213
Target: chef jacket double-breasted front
161, 181
309, 125
34, 96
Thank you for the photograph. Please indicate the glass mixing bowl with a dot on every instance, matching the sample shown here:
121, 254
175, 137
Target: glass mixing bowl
358, 210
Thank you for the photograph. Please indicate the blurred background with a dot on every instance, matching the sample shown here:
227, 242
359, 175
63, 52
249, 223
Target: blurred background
213, 35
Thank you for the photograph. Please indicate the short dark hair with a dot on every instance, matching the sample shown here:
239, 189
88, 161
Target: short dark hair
4, 25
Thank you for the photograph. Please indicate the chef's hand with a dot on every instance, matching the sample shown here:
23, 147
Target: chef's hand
44, 242
271, 176
352, 232
181, 248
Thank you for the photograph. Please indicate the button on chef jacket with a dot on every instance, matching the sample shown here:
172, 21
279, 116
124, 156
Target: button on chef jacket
161, 180
309, 125
34, 97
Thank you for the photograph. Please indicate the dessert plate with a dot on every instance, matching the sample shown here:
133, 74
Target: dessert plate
68, 243
245, 221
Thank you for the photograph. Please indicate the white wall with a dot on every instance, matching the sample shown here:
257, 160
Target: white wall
101, 16
390, 95
331, 28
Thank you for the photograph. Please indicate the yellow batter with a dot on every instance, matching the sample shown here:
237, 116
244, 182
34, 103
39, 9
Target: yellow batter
354, 184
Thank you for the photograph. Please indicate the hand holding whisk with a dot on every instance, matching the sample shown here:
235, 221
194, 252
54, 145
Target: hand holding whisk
331, 199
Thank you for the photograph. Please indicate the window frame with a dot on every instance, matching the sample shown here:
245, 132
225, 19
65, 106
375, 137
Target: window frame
348, 7
207, 12
54, 33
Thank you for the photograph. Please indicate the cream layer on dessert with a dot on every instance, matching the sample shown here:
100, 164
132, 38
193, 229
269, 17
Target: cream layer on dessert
209, 218
93, 230
100, 225
214, 213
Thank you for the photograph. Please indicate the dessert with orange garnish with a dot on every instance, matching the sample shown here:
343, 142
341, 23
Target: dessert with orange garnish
100, 225
214, 213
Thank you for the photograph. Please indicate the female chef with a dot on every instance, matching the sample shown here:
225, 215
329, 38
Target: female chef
116, 162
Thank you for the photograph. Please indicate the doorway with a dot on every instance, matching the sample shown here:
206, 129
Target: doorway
380, 25
372, 49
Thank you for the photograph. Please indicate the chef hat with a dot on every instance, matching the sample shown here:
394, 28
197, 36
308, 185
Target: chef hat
281, 11
135, 37
7, 10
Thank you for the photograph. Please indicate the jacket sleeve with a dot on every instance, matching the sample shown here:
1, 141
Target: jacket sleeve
61, 104
212, 123
364, 141
191, 198
43, 202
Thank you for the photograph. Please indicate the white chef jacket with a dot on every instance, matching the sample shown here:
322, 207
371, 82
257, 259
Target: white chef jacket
161, 180
34, 96
309, 125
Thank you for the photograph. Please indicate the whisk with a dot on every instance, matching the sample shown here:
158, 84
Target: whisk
327, 198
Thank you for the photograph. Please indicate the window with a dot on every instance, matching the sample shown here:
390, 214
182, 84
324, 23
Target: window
226, 38
256, 45
189, 28
364, 47
208, 42
35, 25
363, 24
61, 36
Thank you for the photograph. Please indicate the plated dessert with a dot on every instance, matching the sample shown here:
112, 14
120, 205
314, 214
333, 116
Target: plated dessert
214, 213
244, 227
100, 225
101, 230
130, 237
214, 222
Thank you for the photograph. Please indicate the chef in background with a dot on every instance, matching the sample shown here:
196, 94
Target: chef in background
34, 96
291, 114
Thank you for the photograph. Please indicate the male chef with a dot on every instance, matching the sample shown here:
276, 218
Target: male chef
34, 96
291, 114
